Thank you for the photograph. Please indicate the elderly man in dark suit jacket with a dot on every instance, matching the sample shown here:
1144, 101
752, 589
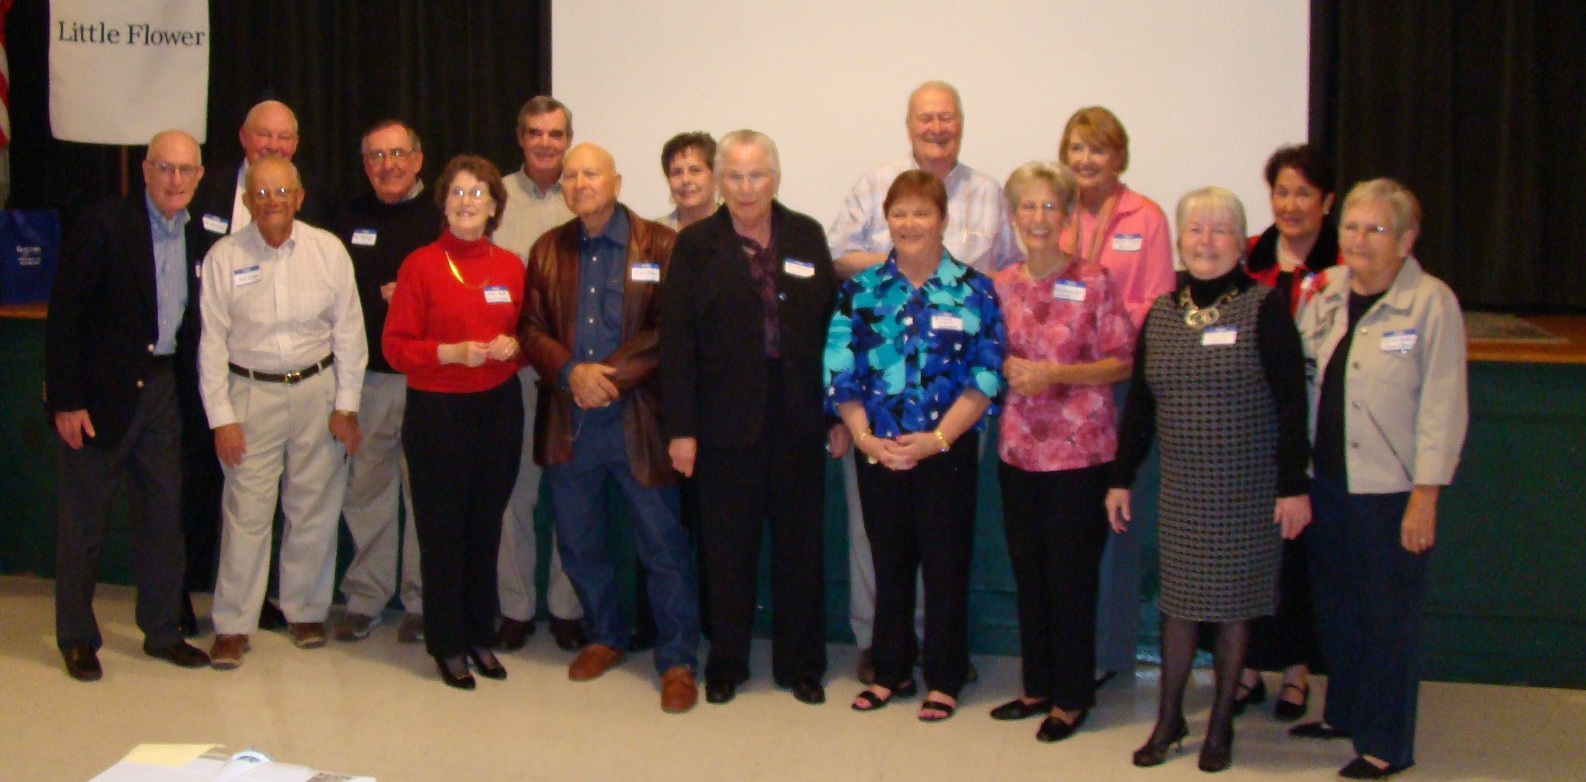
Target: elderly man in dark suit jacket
124, 298
589, 327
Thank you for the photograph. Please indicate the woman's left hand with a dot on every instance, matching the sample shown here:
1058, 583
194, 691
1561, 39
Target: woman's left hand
503, 348
1026, 377
919, 446
1419, 530
1292, 514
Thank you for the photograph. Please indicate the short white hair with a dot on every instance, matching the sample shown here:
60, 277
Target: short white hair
748, 138
1212, 200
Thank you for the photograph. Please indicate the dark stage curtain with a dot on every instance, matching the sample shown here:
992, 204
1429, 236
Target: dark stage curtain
1480, 109
456, 71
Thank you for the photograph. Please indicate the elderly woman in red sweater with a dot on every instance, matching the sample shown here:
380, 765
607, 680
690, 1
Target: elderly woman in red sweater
450, 330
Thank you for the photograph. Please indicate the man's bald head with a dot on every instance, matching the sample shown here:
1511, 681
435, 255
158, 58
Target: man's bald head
171, 171
591, 184
269, 130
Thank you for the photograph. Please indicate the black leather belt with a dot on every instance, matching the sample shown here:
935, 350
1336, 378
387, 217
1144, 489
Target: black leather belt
288, 378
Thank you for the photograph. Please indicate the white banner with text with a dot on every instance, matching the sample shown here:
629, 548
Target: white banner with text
122, 71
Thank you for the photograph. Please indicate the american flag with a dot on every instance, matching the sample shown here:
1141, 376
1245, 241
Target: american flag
5, 80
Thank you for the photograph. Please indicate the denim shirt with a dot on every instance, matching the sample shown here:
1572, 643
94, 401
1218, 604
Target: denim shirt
602, 262
908, 353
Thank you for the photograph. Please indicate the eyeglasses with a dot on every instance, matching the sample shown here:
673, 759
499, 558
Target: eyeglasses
1031, 207
477, 193
265, 193
395, 155
166, 169
1369, 229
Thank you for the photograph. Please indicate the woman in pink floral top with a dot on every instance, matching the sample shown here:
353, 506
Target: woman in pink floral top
1069, 338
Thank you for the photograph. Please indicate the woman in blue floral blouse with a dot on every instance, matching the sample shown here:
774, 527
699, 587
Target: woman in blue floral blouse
912, 364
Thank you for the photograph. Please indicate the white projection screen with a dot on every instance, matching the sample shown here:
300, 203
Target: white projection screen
1206, 88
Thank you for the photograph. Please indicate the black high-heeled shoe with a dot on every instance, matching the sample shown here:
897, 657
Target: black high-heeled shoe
1216, 757
1154, 752
449, 670
1254, 694
493, 669
1288, 711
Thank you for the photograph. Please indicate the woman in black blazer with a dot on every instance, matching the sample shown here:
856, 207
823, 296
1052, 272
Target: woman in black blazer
743, 326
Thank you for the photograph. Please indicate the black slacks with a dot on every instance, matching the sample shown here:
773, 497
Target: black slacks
149, 456
1056, 524
462, 452
780, 480
922, 520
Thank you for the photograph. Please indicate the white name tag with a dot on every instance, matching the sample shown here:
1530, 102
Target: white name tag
247, 276
364, 237
797, 268
944, 322
1127, 243
1068, 290
1219, 335
497, 294
1399, 341
217, 225
646, 271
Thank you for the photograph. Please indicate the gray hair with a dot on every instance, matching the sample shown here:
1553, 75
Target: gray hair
413, 135
1405, 206
1214, 200
935, 84
1054, 175
745, 138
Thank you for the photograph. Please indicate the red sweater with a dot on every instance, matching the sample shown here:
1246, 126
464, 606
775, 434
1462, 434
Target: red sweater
431, 307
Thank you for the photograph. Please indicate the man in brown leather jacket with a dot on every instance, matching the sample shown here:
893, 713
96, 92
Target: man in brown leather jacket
590, 324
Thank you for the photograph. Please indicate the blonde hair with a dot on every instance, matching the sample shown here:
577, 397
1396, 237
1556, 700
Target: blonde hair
1406, 207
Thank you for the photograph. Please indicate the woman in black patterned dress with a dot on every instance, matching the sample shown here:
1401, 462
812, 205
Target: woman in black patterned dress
1219, 381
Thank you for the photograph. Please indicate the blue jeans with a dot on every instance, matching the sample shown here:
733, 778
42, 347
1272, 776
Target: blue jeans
1369, 596
578, 496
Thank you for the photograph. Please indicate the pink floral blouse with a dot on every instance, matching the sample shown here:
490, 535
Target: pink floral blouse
1073, 317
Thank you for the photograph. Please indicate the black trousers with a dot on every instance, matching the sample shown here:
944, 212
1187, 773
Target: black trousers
1289, 636
462, 452
780, 480
922, 520
149, 457
1057, 530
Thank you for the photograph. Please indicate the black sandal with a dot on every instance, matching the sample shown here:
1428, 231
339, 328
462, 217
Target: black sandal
936, 705
872, 701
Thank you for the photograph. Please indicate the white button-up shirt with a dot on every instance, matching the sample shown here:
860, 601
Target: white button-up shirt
279, 310
977, 226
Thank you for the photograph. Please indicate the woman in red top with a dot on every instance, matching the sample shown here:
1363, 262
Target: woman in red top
450, 330
1069, 338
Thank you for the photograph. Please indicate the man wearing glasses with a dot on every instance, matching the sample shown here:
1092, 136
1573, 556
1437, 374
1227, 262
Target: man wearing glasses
380, 228
123, 299
281, 365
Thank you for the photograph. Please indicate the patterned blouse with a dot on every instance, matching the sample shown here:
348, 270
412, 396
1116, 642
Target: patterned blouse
1074, 317
908, 353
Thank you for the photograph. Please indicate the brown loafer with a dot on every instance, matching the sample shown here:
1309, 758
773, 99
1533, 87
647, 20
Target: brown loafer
679, 691
227, 652
592, 661
307, 635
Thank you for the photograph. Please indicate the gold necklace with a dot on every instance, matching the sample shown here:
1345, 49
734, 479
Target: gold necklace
1201, 317
459, 275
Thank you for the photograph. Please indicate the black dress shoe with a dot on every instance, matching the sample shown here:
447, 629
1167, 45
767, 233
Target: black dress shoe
1154, 751
271, 618
1017, 709
1254, 694
1216, 757
487, 664
82, 663
1055, 729
719, 692
513, 634
809, 691
1317, 730
455, 672
1288, 711
179, 653
569, 634
1360, 768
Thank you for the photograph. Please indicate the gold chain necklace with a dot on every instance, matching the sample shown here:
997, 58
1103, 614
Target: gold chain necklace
459, 275
1201, 317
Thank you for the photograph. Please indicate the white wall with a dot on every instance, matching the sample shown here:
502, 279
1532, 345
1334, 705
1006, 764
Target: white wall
1206, 88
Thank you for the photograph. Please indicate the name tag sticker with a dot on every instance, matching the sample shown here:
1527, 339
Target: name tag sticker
1219, 335
797, 268
216, 225
646, 271
1399, 341
497, 294
1068, 290
944, 322
1127, 243
364, 237
246, 276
